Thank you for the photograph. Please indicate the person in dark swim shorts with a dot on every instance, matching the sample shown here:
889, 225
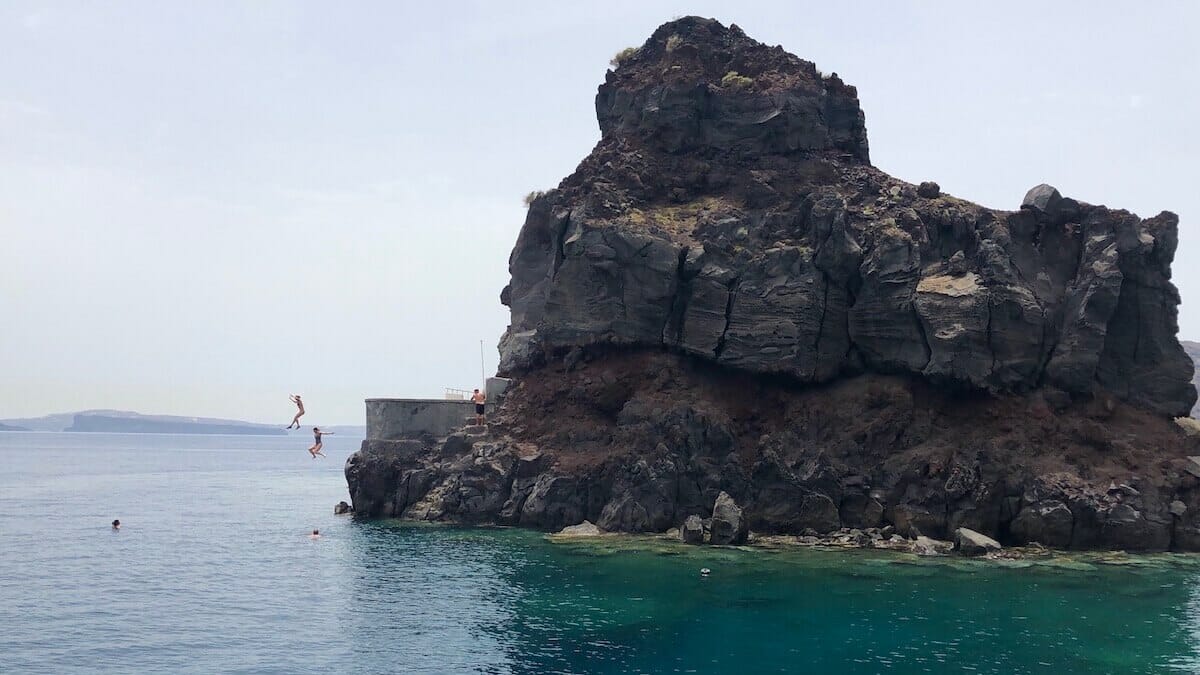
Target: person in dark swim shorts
480, 400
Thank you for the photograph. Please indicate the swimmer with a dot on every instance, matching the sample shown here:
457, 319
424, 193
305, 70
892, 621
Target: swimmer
116, 526
295, 398
315, 535
316, 448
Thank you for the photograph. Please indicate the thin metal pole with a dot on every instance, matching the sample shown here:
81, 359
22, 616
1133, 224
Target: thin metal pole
482, 372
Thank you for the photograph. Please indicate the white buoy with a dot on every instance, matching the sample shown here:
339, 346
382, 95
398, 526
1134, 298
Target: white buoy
704, 571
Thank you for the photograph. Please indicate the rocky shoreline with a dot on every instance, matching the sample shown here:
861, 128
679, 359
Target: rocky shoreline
639, 442
727, 527
884, 539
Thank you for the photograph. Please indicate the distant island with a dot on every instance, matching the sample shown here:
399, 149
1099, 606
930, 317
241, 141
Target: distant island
156, 424
121, 421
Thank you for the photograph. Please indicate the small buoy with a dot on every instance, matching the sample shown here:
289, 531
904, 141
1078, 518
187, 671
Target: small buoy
704, 571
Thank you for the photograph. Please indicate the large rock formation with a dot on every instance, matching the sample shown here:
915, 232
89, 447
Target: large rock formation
747, 306
738, 219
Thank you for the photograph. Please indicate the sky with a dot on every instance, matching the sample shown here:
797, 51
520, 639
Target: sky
205, 207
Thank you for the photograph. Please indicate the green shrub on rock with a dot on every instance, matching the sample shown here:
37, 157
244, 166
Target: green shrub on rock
735, 81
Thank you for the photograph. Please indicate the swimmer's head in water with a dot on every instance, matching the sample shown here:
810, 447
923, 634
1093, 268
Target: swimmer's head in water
116, 523
316, 532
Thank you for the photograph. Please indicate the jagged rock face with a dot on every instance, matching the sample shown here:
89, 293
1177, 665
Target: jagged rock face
637, 440
736, 218
697, 86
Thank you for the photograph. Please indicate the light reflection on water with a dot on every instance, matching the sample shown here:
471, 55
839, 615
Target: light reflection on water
213, 573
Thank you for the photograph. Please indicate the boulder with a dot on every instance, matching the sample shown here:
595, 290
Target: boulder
1048, 522
342, 508
1125, 527
1043, 199
970, 542
692, 531
728, 524
1192, 465
584, 529
929, 190
818, 512
1177, 508
912, 520
927, 546
860, 510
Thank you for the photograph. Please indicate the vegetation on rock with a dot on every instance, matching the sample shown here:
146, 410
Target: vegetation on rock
735, 81
622, 56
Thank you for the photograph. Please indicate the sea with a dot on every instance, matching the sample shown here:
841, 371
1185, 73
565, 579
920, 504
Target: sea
214, 571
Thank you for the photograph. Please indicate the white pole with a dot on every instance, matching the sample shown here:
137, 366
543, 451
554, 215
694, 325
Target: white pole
482, 372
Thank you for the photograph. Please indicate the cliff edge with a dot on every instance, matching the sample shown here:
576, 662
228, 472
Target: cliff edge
726, 296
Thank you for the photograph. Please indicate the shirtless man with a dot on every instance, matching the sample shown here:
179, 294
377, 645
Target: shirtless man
316, 448
295, 398
480, 400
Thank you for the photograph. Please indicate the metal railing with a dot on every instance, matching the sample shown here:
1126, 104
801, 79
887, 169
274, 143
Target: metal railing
457, 394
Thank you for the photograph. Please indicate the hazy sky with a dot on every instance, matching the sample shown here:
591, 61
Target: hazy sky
205, 207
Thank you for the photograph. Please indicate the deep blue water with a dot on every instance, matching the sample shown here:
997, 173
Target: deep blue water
213, 572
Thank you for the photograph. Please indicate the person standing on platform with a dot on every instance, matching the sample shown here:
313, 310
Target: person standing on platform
480, 400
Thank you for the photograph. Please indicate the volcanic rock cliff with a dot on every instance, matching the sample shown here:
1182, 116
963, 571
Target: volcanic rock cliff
727, 297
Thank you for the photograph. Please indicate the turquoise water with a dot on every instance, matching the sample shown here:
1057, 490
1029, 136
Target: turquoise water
213, 573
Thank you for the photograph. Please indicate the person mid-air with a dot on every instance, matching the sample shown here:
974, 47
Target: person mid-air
316, 448
295, 398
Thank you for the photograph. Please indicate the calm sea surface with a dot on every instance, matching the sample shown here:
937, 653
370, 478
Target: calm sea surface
213, 572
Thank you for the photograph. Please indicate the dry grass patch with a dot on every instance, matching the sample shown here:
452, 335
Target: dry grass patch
1190, 426
678, 220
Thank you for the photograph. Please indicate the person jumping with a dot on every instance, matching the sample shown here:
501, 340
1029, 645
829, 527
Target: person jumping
295, 398
316, 448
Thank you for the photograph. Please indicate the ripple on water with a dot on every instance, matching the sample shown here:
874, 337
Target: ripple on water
213, 573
